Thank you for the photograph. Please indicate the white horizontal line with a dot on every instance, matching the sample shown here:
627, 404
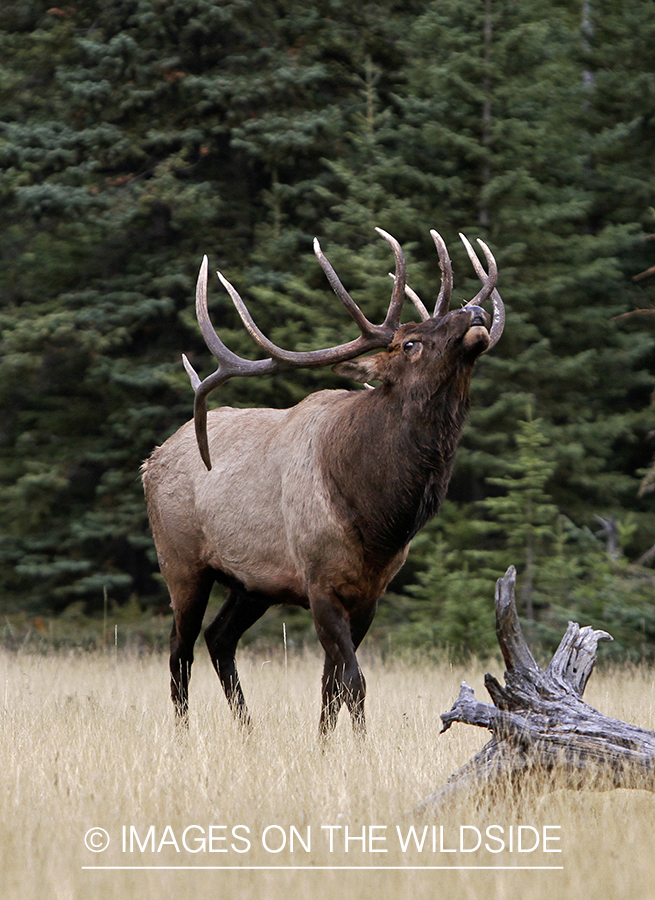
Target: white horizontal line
324, 868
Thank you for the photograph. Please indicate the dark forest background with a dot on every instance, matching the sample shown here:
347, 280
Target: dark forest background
137, 135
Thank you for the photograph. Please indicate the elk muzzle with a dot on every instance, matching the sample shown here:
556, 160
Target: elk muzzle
477, 339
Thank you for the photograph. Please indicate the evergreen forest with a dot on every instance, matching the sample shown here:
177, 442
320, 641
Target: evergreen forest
138, 135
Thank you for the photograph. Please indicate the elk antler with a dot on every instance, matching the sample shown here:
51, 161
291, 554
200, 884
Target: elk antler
229, 364
443, 300
371, 337
488, 285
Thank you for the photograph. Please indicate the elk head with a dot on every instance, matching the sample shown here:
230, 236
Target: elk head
466, 333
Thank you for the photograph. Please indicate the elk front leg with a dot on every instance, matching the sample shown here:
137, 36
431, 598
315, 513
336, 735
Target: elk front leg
332, 695
241, 610
343, 681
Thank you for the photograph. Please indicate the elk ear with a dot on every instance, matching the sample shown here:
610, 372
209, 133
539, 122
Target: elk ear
365, 369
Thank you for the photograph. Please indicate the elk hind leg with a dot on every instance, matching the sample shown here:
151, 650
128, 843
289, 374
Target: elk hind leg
241, 610
189, 602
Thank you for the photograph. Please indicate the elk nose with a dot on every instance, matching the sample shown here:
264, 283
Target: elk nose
479, 316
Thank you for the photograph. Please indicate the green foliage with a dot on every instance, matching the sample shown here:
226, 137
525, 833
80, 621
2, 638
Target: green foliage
137, 136
524, 513
454, 605
565, 571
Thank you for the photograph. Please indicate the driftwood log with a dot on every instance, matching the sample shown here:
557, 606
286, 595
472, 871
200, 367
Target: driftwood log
544, 735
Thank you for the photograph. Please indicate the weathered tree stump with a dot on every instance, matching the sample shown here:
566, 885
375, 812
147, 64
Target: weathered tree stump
543, 733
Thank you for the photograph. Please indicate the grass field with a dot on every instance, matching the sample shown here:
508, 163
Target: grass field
87, 741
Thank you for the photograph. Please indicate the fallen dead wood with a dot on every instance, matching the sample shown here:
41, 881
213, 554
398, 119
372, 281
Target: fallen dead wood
543, 732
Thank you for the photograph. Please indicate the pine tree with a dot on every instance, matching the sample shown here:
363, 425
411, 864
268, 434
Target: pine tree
452, 605
496, 124
136, 137
524, 512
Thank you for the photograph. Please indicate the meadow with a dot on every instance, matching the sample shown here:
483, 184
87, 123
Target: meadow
87, 741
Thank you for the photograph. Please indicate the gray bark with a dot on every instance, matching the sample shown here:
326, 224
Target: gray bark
543, 733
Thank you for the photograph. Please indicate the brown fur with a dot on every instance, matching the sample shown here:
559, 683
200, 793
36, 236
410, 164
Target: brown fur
313, 506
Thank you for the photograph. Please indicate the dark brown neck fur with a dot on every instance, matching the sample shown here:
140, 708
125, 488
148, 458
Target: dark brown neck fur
391, 474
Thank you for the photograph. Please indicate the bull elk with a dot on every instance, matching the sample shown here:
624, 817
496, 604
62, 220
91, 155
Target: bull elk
316, 505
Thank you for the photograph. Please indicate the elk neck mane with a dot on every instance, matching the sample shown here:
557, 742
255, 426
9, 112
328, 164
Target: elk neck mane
389, 457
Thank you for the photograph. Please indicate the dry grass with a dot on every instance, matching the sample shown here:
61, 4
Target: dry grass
88, 740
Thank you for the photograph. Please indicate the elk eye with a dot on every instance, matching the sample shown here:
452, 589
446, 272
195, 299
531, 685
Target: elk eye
410, 347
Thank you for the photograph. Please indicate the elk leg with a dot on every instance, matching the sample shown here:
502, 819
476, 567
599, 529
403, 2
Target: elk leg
359, 625
241, 610
343, 680
189, 602
331, 695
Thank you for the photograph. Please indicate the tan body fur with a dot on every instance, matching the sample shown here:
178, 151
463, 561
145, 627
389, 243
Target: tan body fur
268, 476
315, 505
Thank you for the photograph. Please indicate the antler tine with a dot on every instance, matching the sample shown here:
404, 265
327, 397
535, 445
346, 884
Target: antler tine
418, 303
443, 300
498, 323
488, 280
343, 295
258, 336
392, 319
229, 364
416, 300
